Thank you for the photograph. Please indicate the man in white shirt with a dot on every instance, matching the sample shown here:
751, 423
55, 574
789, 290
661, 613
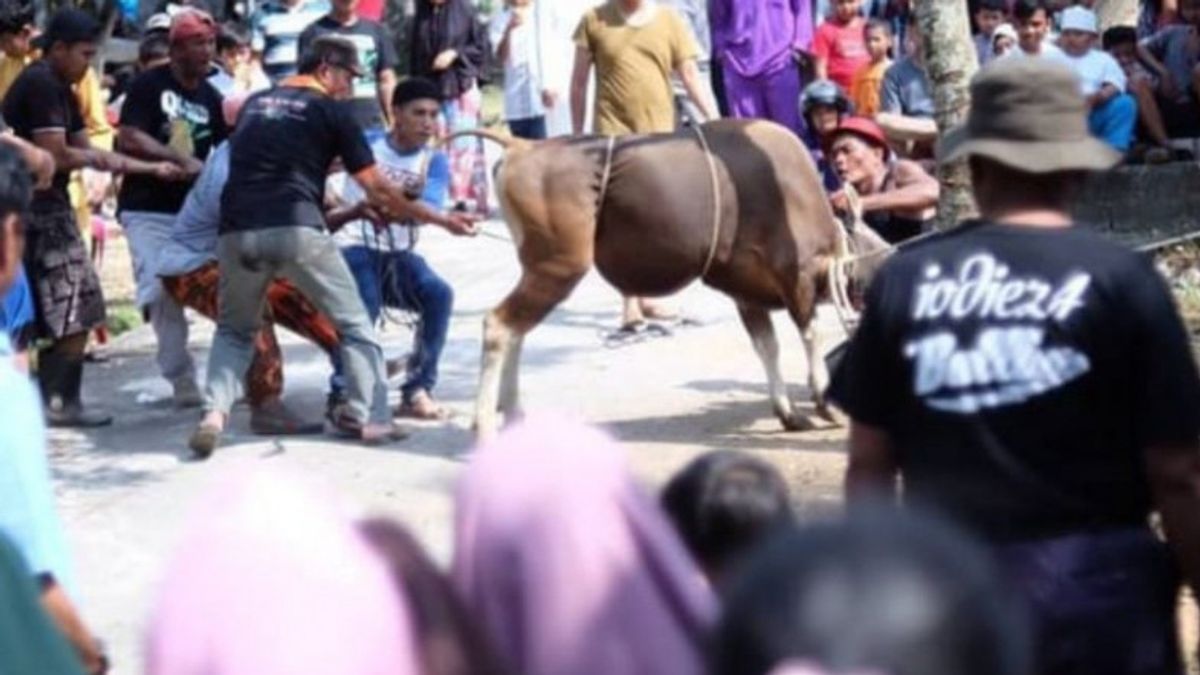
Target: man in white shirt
1113, 113
556, 22
1032, 19
515, 36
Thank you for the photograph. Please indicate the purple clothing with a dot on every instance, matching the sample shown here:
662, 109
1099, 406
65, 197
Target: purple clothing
773, 97
758, 37
570, 565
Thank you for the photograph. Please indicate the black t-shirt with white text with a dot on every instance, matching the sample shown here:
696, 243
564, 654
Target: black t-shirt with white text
376, 54
279, 157
41, 101
1020, 374
187, 120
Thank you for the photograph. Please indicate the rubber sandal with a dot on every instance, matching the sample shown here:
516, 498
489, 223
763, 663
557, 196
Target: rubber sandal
204, 441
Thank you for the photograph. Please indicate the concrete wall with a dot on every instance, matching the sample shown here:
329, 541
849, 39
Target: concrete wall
1141, 204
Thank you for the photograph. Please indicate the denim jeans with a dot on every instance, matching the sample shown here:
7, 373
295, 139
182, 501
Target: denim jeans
403, 280
249, 261
533, 128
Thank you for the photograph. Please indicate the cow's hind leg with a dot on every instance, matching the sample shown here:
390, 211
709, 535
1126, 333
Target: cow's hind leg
510, 393
802, 307
504, 329
762, 335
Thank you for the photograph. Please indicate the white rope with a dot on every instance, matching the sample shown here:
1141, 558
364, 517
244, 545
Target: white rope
608, 158
716, 192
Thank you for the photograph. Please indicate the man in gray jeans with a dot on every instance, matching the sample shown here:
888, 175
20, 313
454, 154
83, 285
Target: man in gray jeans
272, 224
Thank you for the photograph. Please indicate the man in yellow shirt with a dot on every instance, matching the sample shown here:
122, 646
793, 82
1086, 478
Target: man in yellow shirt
635, 46
16, 31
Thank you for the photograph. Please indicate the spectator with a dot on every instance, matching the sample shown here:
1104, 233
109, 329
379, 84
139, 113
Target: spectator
270, 577
389, 274
373, 91
448, 639
724, 504
898, 198
188, 268
876, 593
695, 15
516, 38
1121, 42
1032, 18
42, 108
449, 46
868, 81
759, 44
989, 15
271, 209
235, 70
28, 639
275, 31
635, 46
1034, 381
839, 46
571, 566
824, 106
1004, 40
17, 30
1172, 55
27, 511
906, 108
556, 23
171, 114
1113, 112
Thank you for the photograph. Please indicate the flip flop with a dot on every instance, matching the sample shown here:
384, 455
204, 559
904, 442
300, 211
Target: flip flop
347, 428
430, 411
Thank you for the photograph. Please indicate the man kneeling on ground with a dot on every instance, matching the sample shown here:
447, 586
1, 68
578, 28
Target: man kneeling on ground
381, 256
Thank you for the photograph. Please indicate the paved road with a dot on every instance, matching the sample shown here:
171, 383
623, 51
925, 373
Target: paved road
124, 491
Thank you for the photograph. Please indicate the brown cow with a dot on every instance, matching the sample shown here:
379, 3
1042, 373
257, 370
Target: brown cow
642, 209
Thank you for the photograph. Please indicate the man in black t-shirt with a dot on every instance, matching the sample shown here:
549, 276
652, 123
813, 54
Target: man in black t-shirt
372, 95
273, 225
171, 114
1035, 382
41, 108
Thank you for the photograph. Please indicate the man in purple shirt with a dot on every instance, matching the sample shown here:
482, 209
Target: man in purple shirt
756, 43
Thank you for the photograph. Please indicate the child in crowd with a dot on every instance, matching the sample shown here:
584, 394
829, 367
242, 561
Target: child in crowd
989, 15
1004, 40
823, 105
1173, 56
1122, 44
840, 47
724, 504
869, 78
514, 37
1113, 113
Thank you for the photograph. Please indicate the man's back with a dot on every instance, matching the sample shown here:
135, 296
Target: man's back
1021, 372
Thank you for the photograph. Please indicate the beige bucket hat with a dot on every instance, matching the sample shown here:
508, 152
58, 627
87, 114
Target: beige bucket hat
1027, 113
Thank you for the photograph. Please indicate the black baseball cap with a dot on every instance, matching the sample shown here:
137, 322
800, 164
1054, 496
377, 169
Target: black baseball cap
69, 26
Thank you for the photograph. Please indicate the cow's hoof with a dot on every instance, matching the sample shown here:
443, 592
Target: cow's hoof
832, 415
484, 431
797, 422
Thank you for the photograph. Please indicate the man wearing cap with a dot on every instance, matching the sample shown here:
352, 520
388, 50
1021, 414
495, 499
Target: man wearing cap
373, 91
1113, 113
1034, 381
272, 225
171, 114
898, 197
41, 108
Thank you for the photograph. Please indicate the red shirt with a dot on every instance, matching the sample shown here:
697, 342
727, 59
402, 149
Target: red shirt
843, 48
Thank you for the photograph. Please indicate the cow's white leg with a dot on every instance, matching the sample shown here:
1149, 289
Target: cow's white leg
818, 371
497, 343
762, 335
510, 393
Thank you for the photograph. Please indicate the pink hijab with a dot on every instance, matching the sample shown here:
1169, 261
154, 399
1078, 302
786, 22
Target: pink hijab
271, 580
572, 568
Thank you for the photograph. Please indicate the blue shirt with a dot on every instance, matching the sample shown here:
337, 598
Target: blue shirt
275, 32
27, 512
906, 90
194, 234
16, 308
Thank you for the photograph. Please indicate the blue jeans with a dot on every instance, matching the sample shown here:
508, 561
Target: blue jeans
533, 128
403, 280
1114, 121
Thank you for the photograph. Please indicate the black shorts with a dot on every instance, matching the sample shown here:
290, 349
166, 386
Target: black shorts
66, 288
1182, 117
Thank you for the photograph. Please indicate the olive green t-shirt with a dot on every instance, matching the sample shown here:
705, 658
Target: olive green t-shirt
634, 66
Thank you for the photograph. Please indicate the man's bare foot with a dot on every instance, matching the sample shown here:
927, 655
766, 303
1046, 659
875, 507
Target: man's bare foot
421, 406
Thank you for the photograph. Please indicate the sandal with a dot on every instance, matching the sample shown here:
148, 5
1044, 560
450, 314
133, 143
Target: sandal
204, 440
345, 426
421, 406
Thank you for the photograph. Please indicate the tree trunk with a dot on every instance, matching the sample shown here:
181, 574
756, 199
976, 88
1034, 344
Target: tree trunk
951, 61
1116, 13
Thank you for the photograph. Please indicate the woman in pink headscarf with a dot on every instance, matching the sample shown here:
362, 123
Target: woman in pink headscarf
272, 580
570, 565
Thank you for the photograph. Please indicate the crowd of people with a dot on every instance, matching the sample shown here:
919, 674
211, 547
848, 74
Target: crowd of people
1021, 393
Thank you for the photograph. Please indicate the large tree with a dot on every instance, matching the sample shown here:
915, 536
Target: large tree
1117, 13
950, 61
